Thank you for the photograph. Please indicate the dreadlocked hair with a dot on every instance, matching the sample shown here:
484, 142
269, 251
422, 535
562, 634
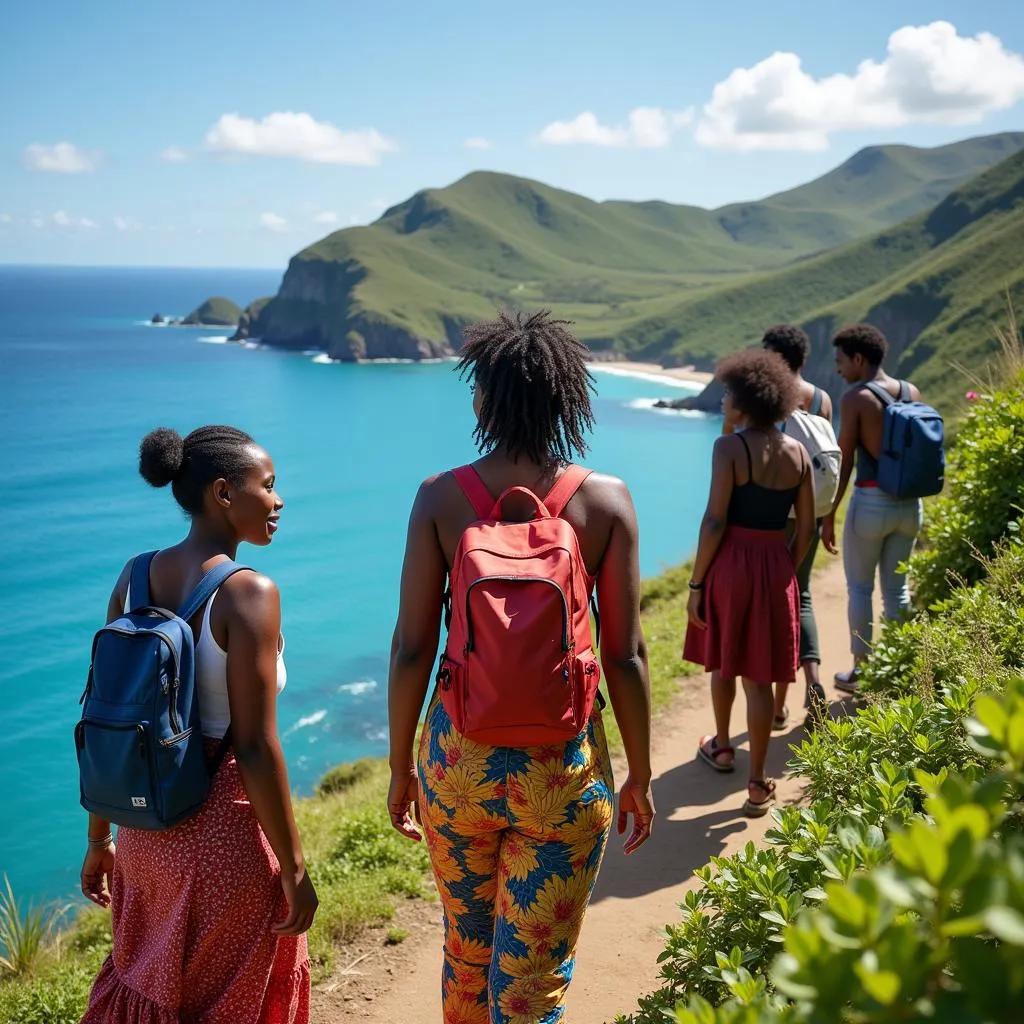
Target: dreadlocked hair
190, 464
534, 383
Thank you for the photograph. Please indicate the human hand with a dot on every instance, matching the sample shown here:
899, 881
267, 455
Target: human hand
828, 533
636, 799
98, 874
694, 609
302, 903
402, 793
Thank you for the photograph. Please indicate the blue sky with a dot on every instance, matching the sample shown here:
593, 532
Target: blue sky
233, 134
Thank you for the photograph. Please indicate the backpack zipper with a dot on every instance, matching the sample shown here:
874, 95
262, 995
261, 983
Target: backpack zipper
172, 703
566, 645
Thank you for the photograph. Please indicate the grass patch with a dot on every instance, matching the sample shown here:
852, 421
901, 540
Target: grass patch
395, 936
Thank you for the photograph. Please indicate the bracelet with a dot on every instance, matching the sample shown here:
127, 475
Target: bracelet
695, 586
102, 844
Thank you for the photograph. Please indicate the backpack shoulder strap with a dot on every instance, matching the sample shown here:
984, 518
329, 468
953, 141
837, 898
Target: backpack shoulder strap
816, 402
565, 487
904, 391
138, 580
214, 579
475, 490
879, 392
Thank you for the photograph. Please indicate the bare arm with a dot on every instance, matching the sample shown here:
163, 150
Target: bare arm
254, 628
826, 406
712, 527
98, 867
806, 522
849, 431
624, 661
413, 650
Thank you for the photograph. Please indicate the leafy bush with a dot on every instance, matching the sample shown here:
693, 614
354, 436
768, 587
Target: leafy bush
984, 494
344, 776
24, 935
937, 933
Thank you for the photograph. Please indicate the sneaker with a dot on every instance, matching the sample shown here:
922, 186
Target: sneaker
817, 705
848, 682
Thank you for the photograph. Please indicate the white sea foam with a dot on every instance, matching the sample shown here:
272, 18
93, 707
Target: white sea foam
375, 735
215, 339
309, 720
323, 359
648, 404
658, 378
358, 687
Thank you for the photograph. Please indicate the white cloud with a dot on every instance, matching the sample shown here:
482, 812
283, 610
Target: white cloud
298, 137
645, 128
63, 219
174, 155
64, 158
5, 218
478, 142
37, 222
326, 217
931, 74
273, 222
126, 224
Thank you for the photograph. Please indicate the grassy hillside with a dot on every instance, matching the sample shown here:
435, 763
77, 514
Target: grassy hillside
219, 312
935, 277
404, 285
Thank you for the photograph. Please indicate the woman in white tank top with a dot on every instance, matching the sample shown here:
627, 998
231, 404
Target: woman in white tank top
209, 917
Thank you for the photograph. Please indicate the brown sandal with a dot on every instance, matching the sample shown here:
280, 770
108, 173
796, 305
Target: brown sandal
708, 751
759, 808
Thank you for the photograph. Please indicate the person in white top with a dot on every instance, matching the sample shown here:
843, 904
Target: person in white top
209, 916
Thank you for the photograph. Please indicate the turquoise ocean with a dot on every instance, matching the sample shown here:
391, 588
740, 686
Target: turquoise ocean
83, 376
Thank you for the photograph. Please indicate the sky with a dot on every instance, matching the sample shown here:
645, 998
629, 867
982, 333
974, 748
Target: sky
234, 134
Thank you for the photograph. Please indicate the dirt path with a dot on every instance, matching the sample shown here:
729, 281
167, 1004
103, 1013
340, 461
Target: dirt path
698, 817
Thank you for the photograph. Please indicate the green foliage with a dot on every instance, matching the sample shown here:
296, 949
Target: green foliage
24, 934
935, 933
395, 936
983, 499
217, 312
344, 776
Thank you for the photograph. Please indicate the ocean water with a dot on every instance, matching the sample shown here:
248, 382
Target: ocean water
83, 377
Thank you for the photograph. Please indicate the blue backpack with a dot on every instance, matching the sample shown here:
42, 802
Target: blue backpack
141, 760
912, 462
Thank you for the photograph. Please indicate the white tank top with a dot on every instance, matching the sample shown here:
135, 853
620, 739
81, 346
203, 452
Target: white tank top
212, 675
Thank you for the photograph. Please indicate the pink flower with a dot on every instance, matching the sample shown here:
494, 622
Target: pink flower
972, 396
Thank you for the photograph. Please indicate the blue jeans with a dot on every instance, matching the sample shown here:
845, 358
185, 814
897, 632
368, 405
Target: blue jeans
879, 534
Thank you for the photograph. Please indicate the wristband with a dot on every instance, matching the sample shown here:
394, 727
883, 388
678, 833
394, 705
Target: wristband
695, 586
102, 844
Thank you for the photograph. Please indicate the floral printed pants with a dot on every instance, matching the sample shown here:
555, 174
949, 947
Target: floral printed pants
516, 838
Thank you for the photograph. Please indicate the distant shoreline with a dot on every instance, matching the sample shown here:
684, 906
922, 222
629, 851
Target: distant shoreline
671, 375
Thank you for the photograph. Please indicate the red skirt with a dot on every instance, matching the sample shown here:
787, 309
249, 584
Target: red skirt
752, 610
192, 912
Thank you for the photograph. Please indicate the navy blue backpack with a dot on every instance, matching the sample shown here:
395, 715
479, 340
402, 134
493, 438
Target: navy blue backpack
912, 462
141, 760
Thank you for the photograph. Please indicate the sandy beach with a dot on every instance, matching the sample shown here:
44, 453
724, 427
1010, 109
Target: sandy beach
671, 375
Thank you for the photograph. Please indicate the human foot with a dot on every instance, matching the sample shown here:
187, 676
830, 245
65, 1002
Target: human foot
721, 758
760, 798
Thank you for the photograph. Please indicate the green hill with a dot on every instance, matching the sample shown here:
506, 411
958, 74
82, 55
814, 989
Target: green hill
216, 312
405, 285
938, 276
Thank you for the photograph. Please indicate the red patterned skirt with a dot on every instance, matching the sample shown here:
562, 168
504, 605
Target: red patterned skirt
752, 609
192, 912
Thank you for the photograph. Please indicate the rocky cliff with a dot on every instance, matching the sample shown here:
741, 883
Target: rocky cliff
317, 308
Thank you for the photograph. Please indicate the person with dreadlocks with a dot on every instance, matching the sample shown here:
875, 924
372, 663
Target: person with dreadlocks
209, 916
516, 832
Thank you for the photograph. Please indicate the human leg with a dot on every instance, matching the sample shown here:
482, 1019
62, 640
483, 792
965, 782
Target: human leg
562, 808
897, 549
716, 749
863, 535
759, 730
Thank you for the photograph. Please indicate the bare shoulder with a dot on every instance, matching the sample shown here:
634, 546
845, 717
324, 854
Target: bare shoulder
251, 596
436, 493
607, 492
915, 392
855, 399
826, 405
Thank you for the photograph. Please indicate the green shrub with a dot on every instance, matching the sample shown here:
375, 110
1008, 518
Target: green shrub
936, 933
984, 494
344, 776
24, 934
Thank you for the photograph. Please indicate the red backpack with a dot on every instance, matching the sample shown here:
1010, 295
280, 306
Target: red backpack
519, 667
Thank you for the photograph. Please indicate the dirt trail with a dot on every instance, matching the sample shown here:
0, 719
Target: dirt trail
699, 816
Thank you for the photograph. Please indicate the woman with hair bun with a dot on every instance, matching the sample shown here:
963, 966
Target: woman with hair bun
744, 606
209, 916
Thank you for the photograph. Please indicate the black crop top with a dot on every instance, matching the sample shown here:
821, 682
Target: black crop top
757, 507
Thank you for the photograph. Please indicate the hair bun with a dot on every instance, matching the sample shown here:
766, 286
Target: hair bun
161, 456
